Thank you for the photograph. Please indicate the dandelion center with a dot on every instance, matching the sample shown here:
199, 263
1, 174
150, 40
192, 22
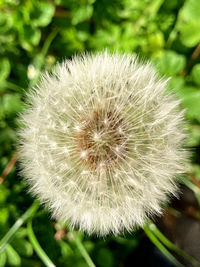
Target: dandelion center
102, 139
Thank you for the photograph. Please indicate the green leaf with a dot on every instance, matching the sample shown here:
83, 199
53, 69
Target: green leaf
196, 74
190, 34
196, 169
30, 36
23, 247
189, 23
21, 233
191, 101
170, 63
12, 256
70, 40
107, 257
4, 193
4, 68
81, 14
194, 135
42, 13
6, 21
3, 259
66, 250
89, 246
176, 83
12, 104
3, 216
156, 40
190, 11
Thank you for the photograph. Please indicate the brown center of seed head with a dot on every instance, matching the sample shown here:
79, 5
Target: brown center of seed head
102, 139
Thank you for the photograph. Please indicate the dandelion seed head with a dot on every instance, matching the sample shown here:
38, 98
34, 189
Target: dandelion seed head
102, 142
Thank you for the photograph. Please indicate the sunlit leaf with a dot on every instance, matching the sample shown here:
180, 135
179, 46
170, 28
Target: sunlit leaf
196, 74
81, 14
170, 63
189, 23
23, 247
3, 258
12, 256
30, 37
42, 13
4, 68
191, 101
12, 104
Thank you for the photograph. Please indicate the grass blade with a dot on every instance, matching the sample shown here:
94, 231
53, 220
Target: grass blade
10, 234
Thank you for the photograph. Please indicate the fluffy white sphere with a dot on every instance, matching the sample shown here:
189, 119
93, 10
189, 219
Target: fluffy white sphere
102, 142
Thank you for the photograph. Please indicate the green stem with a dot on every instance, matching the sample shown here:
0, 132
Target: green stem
13, 86
172, 36
48, 42
170, 245
9, 235
38, 249
160, 246
192, 186
82, 249
43, 54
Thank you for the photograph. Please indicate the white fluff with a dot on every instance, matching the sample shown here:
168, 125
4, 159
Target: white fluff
102, 142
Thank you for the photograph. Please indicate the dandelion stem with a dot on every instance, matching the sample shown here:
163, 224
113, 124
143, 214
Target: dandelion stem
9, 235
82, 249
171, 245
38, 249
160, 246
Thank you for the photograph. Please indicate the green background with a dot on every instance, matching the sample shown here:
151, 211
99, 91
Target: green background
36, 34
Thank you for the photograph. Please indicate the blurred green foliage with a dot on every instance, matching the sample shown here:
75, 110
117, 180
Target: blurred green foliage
33, 36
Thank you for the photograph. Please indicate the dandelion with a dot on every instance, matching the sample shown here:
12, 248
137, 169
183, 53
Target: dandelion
102, 142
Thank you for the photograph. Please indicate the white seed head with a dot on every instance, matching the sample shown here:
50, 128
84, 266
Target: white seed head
102, 142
